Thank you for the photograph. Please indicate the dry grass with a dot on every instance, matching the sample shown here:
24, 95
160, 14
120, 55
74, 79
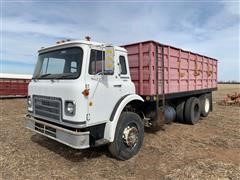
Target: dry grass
208, 150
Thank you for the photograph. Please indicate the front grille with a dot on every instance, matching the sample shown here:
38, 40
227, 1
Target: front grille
45, 129
47, 107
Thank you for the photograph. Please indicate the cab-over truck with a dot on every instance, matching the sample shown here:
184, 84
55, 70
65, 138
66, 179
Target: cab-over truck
85, 94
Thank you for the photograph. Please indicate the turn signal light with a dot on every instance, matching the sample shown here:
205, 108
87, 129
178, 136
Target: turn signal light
85, 92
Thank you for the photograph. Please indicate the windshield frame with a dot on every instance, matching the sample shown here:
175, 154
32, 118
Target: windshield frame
60, 78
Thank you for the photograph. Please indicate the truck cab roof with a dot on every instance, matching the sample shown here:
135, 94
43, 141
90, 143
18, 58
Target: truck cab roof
68, 42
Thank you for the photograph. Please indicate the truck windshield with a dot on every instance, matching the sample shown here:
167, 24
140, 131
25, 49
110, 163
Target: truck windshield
59, 64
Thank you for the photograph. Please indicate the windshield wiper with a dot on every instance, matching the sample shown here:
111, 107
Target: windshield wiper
63, 75
44, 75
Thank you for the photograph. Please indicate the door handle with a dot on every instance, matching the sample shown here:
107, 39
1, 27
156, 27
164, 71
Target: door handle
117, 85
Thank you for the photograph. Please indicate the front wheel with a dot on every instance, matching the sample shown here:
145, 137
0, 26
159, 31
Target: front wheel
129, 136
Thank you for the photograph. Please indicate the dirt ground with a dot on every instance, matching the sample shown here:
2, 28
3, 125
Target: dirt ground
208, 150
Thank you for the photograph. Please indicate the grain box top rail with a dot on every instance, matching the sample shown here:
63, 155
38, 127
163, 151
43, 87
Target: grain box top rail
152, 41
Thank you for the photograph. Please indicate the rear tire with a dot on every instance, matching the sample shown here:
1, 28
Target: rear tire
129, 136
192, 110
205, 105
180, 112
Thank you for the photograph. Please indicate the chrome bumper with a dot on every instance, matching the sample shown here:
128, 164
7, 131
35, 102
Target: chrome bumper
76, 140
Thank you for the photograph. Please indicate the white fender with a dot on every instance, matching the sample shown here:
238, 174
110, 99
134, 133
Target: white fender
110, 127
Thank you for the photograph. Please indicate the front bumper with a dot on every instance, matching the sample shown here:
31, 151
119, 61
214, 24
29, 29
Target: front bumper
74, 139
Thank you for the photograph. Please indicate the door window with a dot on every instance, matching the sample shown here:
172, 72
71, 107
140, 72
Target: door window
96, 62
123, 65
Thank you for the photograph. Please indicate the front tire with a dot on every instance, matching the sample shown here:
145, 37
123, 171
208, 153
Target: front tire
129, 136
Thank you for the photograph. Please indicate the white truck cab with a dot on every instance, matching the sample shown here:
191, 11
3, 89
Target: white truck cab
79, 94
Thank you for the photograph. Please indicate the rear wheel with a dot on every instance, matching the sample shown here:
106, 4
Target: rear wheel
205, 105
180, 112
192, 110
129, 136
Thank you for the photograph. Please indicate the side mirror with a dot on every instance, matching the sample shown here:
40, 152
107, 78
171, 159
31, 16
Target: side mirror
109, 60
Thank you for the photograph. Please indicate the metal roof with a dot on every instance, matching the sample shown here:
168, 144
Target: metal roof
80, 42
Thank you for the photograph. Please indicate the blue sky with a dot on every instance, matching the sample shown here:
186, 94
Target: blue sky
207, 27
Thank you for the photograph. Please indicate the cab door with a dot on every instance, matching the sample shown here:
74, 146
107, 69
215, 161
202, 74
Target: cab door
127, 85
104, 90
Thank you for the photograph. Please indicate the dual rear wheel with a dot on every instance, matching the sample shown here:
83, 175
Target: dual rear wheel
192, 110
205, 104
189, 111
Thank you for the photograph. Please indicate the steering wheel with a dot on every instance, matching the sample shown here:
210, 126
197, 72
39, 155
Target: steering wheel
99, 73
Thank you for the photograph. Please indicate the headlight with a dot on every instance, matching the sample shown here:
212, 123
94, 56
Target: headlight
29, 104
29, 101
69, 108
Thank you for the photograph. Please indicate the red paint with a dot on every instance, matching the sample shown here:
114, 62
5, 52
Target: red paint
183, 70
13, 87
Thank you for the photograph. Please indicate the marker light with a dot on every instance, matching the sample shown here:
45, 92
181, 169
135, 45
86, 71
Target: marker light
87, 38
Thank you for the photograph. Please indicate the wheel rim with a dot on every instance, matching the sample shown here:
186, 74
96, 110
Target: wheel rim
130, 136
207, 105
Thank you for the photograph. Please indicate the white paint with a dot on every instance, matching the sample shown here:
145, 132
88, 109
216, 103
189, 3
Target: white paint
105, 91
67, 90
111, 125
